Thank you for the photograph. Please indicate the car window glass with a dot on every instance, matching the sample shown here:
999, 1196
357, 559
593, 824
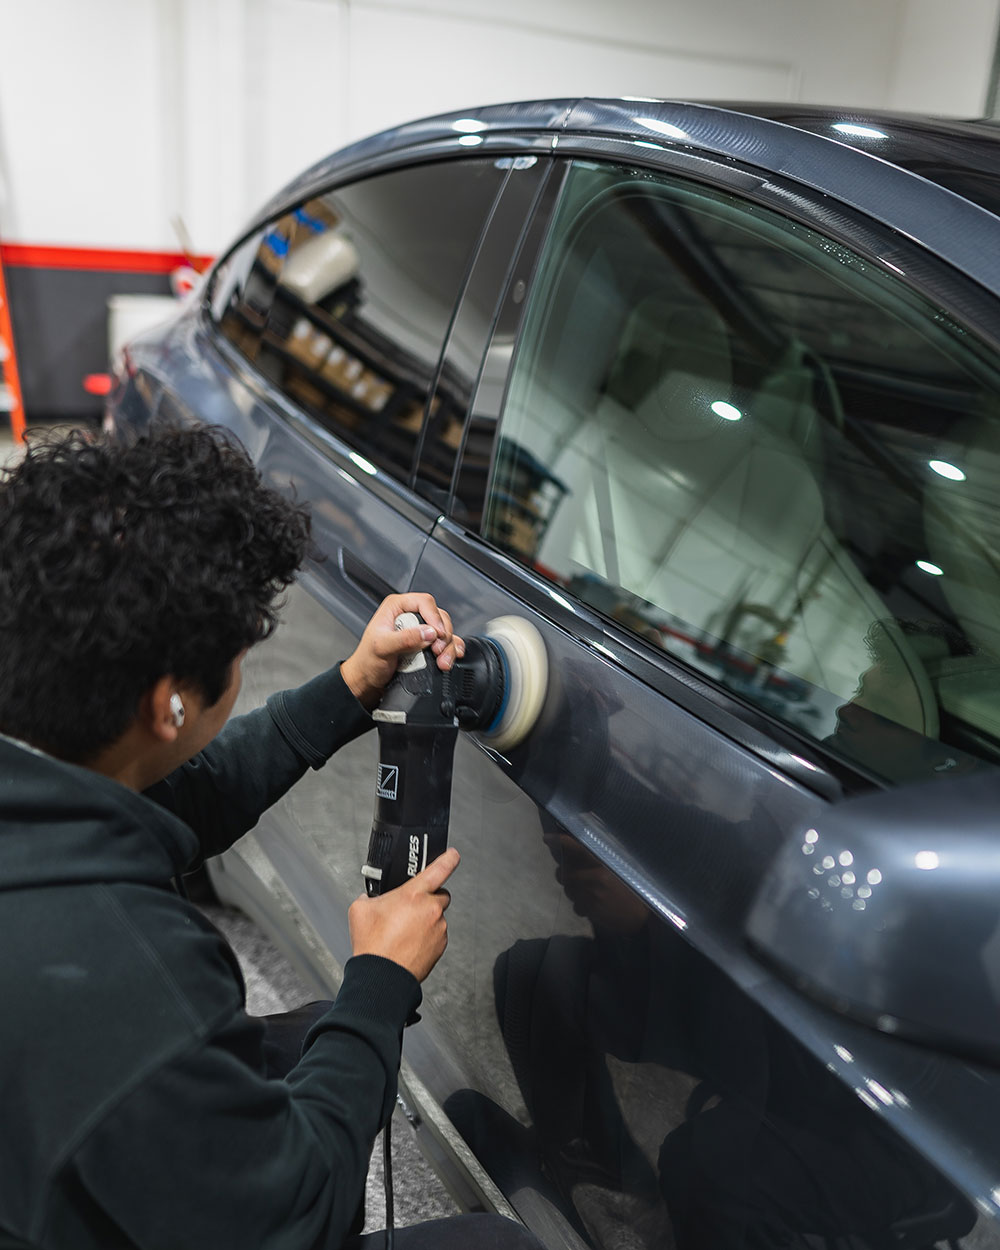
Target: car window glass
767, 457
344, 302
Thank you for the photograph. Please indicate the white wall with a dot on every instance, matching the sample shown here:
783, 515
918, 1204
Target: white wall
944, 56
117, 115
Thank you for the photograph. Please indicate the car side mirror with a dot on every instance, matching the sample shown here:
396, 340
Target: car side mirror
888, 910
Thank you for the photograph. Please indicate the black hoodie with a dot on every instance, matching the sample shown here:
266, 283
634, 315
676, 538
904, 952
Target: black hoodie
134, 1110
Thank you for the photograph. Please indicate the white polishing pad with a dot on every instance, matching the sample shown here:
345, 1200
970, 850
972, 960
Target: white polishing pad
528, 679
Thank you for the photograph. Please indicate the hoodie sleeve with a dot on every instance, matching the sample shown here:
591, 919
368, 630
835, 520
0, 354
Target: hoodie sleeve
206, 1154
225, 789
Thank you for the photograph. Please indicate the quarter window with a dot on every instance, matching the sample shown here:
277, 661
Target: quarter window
344, 303
767, 457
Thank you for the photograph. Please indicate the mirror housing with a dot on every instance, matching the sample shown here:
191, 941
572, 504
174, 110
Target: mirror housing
888, 910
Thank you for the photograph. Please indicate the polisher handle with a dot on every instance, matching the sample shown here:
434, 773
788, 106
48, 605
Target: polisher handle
412, 803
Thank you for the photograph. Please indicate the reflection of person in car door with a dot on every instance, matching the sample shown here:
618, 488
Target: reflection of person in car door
759, 1144
891, 722
142, 1106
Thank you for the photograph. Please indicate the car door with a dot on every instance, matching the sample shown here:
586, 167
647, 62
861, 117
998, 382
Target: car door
331, 322
740, 477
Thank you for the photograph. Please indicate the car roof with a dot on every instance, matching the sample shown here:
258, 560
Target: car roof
934, 180
960, 154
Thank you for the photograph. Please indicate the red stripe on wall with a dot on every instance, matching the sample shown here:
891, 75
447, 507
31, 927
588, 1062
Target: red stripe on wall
113, 260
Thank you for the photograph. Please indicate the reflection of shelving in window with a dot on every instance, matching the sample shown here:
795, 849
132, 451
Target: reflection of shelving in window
443, 435
353, 379
274, 247
344, 304
240, 330
524, 500
245, 317
474, 469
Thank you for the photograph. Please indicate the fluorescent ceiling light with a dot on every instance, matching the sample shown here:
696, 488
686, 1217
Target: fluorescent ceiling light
950, 471
927, 567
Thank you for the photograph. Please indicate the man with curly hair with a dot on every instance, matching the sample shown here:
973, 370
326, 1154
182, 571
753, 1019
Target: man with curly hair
141, 1106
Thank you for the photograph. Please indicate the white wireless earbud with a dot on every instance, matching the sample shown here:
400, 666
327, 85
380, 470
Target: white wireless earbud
177, 710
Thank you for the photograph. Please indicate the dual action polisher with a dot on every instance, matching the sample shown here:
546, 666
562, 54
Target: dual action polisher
497, 689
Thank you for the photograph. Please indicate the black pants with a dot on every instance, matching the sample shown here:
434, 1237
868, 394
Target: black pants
282, 1049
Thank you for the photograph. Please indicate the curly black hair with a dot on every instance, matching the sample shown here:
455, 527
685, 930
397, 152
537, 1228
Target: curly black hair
123, 563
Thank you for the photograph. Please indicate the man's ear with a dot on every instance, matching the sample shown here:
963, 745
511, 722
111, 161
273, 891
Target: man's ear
162, 709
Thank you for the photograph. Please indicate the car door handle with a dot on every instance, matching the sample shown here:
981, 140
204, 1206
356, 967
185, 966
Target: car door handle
364, 577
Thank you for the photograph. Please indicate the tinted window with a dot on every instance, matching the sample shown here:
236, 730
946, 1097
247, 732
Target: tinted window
344, 303
766, 457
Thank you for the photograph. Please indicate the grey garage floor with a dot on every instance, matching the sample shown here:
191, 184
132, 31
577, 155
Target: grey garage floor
273, 985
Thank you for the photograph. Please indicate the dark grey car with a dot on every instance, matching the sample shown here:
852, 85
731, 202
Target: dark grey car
711, 396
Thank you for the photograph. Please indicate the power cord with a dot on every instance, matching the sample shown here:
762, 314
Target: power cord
387, 1159
387, 1177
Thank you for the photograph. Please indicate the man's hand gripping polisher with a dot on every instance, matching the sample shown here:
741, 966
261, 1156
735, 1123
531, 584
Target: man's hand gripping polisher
497, 688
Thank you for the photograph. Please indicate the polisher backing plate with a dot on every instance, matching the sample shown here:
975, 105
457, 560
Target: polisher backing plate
528, 671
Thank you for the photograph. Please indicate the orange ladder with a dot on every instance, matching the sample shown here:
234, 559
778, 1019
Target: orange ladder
10, 383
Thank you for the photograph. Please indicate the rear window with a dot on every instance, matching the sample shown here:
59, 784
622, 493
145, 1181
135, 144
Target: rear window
344, 303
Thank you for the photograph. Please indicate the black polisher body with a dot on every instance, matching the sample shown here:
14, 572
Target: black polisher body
418, 721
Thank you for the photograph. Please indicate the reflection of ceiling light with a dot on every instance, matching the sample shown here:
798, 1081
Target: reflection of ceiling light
859, 132
470, 141
927, 567
726, 411
365, 465
563, 603
663, 128
880, 1091
950, 471
468, 125
927, 860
